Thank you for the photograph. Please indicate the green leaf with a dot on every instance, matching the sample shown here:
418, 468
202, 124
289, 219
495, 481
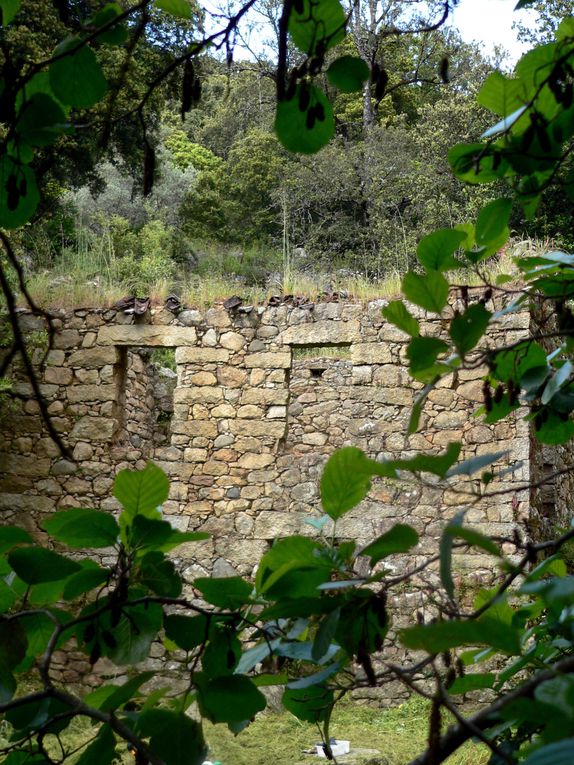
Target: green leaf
468, 328
180, 8
159, 575
222, 653
305, 123
19, 195
317, 26
316, 678
108, 698
142, 491
345, 482
472, 682
348, 73
280, 570
90, 577
187, 632
445, 552
229, 699
174, 737
9, 10
77, 78
83, 527
13, 646
398, 314
492, 221
36, 564
513, 364
558, 379
11, 536
399, 539
557, 753
41, 120
226, 592
116, 34
477, 163
555, 430
435, 251
474, 464
475, 538
429, 291
325, 634
422, 353
311, 704
102, 751
500, 94
442, 636
135, 632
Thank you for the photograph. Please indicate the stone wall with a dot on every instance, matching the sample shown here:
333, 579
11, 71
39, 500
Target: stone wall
262, 397
253, 422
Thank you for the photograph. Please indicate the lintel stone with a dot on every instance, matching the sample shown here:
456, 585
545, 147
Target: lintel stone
322, 333
147, 334
370, 353
268, 360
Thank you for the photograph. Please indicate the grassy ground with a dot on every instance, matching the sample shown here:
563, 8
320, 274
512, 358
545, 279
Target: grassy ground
399, 735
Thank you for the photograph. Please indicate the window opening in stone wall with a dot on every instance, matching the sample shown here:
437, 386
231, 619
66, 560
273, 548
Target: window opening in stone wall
148, 383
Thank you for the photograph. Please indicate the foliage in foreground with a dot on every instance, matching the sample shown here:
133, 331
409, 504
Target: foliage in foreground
307, 607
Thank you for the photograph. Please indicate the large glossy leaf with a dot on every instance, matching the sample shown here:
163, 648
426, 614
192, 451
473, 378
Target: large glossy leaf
435, 251
442, 636
158, 574
429, 291
500, 94
472, 682
187, 632
13, 646
310, 704
102, 750
19, 195
492, 221
35, 565
108, 698
83, 527
474, 464
11, 536
90, 577
229, 699
305, 122
348, 73
9, 10
179, 8
41, 121
222, 653
225, 592
557, 753
174, 736
135, 632
398, 314
345, 482
422, 353
293, 567
316, 25
468, 328
142, 491
400, 538
77, 78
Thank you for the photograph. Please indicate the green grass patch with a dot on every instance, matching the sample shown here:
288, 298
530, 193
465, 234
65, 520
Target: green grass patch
399, 734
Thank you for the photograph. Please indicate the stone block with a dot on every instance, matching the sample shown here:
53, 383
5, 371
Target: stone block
203, 378
223, 410
322, 333
27, 504
197, 395
18, 464
93, 358
91, 393
252, 461
232, 340
93, 429
250, 412
268, 360
277, 413
265, 396
257, 428
58, 375
231, 377
200, 355
66, 338
147, 334
192, 428
371, 353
